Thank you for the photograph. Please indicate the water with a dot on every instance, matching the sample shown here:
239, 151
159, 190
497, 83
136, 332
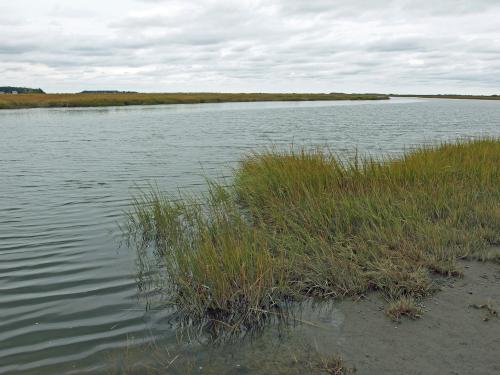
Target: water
68, 295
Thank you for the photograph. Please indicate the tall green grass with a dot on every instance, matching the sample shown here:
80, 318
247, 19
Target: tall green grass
308, 223
220, 271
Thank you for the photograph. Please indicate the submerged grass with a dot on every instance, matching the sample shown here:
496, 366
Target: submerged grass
307, 223
124, 99
271, 358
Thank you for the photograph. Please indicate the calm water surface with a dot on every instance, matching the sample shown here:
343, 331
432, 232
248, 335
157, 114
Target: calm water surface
68, 296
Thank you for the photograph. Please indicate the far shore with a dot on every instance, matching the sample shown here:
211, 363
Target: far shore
107, 99
9, 101
448, 96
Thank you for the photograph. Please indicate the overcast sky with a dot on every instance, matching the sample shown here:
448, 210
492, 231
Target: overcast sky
404, 46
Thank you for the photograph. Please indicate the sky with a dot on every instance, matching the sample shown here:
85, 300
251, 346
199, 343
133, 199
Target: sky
400, 46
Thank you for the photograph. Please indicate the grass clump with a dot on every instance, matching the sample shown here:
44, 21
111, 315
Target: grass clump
404, 306
219, 270
336, 366
491, 312
307, 223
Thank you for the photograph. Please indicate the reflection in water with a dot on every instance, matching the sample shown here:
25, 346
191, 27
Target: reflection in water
280, 349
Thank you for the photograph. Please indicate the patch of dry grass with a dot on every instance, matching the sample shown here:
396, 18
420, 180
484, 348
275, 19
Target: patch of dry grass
336, 366
491, 311
403, 306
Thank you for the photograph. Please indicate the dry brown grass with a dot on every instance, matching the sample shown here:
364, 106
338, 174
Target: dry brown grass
404, 306
105, 100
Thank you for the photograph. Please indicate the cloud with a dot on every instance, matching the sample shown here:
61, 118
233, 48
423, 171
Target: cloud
285, 45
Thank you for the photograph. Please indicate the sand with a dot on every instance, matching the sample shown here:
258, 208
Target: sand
451, 337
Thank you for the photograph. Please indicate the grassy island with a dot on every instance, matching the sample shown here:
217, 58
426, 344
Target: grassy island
304, 223
124, 99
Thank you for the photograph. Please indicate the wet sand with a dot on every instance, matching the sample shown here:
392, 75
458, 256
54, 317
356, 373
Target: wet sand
451, 337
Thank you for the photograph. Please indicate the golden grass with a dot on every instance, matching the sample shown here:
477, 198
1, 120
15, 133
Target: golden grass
403, 306
105, 100
307, 223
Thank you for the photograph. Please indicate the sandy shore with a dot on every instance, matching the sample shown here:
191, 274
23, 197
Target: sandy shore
451, 337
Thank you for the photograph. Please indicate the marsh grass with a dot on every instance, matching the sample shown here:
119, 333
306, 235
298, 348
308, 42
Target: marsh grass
125, 99
307, 223
335, 365
219, 271
404, 306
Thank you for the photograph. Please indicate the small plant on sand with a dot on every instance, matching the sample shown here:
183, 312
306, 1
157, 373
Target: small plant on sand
404, 306
491, 311
336, 366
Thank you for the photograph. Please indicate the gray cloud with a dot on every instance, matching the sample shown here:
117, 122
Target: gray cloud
282, 45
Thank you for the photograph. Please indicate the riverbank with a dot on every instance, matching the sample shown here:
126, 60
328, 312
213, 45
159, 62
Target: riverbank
126, 99
305, 223
456, 335
445, 96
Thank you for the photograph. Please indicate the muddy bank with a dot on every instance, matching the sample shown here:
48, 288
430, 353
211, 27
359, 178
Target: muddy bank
451, 337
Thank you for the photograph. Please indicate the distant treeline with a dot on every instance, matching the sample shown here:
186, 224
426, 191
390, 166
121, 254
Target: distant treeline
19, 90
107, 92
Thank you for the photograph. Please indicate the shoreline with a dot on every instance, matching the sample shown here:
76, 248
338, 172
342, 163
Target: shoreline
101, 100
354, 331
303, 224
26, 101
445, 96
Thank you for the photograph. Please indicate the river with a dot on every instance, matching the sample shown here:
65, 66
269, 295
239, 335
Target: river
68, 294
